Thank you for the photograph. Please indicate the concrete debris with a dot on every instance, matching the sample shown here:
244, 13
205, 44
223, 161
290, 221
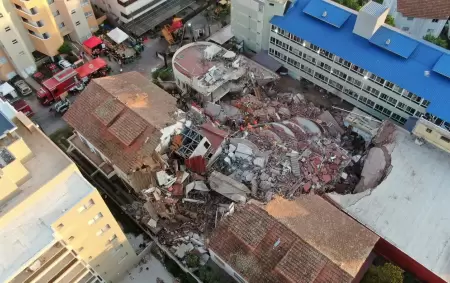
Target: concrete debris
180, 251
259, 161
196, 185
243, 151
228, 187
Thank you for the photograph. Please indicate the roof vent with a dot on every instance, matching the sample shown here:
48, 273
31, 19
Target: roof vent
324, 14
388, 41
426, 73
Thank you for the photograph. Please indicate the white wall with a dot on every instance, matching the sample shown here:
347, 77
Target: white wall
401, 98
415, 26
250, 21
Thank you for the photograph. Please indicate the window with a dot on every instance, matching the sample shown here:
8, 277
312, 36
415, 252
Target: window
371, 90
306, 69
15, 41
296, 39
116, 249
95, 219
33, 11
88, 14
339, 74
336, 85
425, 103
71, 238
62, 25
327, 54
435, 20
379, 108
351, 93
312, 47
73, 12
45, 35
112, 239
342, 62
324, 66
410, 110
387, 112
321, 77
273, 28
90, 258
80, 249
86, 206
122, 258
447, 140
1, 15
7, 29
293, 62
416, 99
358, 70
308, 58
354, 82
56, 13
21, 53
272, 39
418, 114
60, 226
397, 89
430, 30
405, 28
377, 79
295, 51
77, 23
410, 18
103, 230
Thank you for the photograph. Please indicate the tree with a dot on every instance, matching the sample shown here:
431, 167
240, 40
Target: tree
386, 273
436, 40
65, 48
390, 20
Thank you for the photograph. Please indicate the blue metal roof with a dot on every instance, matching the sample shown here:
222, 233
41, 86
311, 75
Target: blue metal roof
327, 12
394, 42
407, 73
374, 9
5, 125
442, 66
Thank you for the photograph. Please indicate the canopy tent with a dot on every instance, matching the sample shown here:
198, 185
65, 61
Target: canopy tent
91, 67
92, 42
117, 35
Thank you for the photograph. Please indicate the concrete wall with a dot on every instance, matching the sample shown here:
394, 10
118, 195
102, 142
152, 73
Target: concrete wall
91, 245
417, 27
73, 15
250, 21
433, 134
285, 50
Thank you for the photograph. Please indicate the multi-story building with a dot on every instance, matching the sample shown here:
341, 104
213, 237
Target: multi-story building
360, 59
419, 18
39, 25
250, 21
139, 16
54, 226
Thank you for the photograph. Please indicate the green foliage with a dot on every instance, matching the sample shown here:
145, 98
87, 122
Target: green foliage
207, 275
355, 4
192, 260
436, 40
177, 272
390, 20
387, 273
65, 48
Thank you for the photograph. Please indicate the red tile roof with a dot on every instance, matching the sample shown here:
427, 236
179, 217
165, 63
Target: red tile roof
427, 9
122, 117
262, 249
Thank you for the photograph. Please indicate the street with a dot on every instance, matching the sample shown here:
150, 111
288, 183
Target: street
50, 123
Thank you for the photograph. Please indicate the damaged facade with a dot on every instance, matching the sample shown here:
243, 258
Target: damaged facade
213, 71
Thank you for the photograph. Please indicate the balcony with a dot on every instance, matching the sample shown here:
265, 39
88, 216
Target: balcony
76, 143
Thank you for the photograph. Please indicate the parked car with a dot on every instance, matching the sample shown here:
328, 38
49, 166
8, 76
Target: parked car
23, 87
64, 64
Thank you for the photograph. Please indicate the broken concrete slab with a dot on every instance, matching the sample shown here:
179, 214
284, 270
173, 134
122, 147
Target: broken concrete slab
228, 187
196, 185
243, 151
231, 147
151, 210
259, 161
183, 249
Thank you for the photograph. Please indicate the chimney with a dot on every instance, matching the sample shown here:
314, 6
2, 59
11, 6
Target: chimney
370, 18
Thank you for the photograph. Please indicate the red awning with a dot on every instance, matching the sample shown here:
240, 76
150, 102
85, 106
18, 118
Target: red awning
92, 42
90, 67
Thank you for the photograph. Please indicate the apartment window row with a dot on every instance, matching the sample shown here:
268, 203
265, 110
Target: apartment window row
321, 77
366, 101
376, 79
86, 206
280, 43
278, 54
324, 66
372, 91
293, 62
103, 230
295, 51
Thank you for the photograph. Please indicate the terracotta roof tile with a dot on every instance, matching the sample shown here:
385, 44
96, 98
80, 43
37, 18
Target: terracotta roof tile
144, 103
427, 9
273, 253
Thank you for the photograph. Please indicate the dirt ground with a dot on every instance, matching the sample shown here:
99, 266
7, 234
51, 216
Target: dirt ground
288, 84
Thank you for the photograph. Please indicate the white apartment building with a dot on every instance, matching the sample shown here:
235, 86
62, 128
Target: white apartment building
127, 10
250, 21
414, 25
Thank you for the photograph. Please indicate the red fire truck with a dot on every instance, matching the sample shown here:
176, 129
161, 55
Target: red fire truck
58, 85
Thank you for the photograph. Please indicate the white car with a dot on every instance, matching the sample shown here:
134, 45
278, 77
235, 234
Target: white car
64, 64
23, 87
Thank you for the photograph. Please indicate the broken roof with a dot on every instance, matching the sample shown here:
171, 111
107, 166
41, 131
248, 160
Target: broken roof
409, 208
264, 248
428, 9
122, 116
